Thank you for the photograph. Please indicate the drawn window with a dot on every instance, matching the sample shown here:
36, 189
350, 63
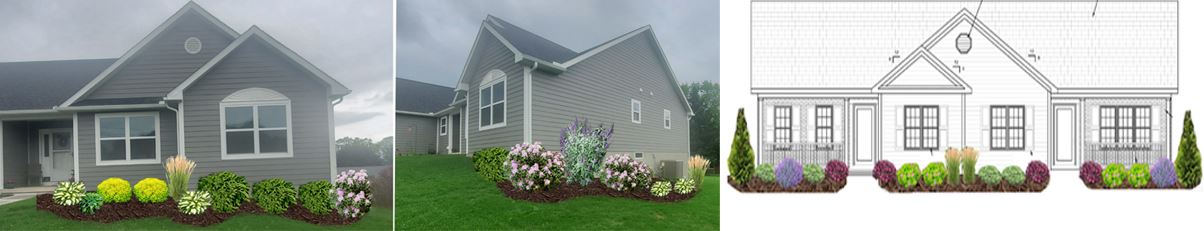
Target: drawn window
920, 127
128, 138
782, 129
823, 124
1124, 125
1007, 127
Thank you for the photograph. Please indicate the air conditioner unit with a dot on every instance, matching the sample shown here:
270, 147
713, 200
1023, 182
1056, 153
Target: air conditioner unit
672, 169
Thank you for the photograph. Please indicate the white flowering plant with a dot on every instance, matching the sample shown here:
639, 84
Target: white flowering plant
684, 186
621, 172
353, 193
533, 168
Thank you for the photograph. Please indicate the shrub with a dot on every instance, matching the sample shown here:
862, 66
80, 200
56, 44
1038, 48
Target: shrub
684, 186
1114, 175
114, 190
969, 159
698, 168
789, 172
740, 160
934, 174
1187, 163
813, 173
227, 190
660, 188
1163, 173
179, 170
1013, 175
837, 171
1090, 172
533, 168
151, 190
69, 193
621, 172
353, 193
274, 195
194, 202
489, 163
583, 148
1037, 172
765, 172
91, 203
1139, 175
990, 175
884, 172
315, 197
953, 159
908, 175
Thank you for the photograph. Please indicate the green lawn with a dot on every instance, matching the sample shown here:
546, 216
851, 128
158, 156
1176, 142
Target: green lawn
442, 192
23, 215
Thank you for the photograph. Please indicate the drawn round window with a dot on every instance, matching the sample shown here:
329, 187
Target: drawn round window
192, 45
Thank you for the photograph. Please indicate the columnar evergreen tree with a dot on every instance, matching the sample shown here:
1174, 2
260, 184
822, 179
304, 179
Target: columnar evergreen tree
1187, 164
740, 160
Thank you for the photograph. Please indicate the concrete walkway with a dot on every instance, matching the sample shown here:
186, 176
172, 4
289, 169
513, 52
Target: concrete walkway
16, 197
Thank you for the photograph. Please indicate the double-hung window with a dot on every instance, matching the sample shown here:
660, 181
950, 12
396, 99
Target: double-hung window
823, 124
782, 129
127, 138
443, 125
1124, 125
636, 111
1007, 127
920, 127
256, 123
668, 121
493, 103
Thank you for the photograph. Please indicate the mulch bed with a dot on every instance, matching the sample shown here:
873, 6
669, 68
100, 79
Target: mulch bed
131, 210
977, 186
758, 185
1126, 185
595, 188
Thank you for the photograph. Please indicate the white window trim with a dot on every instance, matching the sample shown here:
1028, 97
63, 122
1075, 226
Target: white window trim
443, 126
668, 119
637, 111
96, 139
480, 105
288, 128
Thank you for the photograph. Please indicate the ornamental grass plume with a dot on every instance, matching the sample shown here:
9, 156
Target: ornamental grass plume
698, 168
179, 170
952, 165
969, 159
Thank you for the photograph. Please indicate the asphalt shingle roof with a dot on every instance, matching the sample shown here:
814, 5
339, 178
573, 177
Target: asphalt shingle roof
45, 84
414, 96
529, 43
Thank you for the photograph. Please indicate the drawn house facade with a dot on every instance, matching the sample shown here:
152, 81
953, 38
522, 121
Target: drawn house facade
229, 101
518, 87
1019, 81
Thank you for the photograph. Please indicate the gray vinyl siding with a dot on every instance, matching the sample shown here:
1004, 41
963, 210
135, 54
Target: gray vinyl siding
490, 54
162, 64
601, 88
442, 141
256, 65
415, 134
86, 142
16, 142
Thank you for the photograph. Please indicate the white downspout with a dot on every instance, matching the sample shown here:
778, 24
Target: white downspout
330, 125
179, 126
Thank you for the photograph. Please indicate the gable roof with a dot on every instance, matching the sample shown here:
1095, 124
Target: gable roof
952, 84
529, 43
415, 97
336, 89
1127, 45
41, 85
190, 7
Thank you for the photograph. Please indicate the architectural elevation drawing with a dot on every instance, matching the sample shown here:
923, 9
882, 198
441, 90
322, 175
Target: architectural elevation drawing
232, 101
1061, 82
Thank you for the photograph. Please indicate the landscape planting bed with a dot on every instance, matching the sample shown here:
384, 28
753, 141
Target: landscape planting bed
596, 188
977, 186
111, 212
1128, 186
760, 186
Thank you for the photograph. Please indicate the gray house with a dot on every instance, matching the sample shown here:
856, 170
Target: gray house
231, 101
519, 87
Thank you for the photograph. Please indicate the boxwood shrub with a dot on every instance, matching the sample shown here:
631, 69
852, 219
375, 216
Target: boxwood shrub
1114, 175
316, 197
1013, 175
814, 173
908, 175
990, 175
765, 172
489, 163
151, 190
274, 195
934, 174
1139, 175
114, 190
228, 190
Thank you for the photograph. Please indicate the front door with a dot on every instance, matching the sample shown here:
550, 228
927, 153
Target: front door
863, 135
55, 154
1065, 137
455, 136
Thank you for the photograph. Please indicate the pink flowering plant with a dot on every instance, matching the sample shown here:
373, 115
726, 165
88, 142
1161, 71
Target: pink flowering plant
353, 193
621, 172
533, 168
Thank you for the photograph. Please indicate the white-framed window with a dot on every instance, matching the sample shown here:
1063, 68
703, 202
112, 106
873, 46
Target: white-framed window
127, 138
1124, 126
1007, 127
493, 100
636, 111
921, 127
783, 130
443, 125
256, 123
668, 119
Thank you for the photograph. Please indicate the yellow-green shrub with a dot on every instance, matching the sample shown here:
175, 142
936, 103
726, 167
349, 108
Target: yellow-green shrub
151, 190
114, 190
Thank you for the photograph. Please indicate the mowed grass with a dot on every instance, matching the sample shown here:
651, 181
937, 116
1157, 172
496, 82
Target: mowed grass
442, 192
23, 215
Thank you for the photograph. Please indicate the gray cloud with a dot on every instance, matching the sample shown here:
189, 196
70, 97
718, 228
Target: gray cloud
349, 40
434, 37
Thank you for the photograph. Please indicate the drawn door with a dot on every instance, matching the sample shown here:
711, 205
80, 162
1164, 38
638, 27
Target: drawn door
1065, 141
863, 135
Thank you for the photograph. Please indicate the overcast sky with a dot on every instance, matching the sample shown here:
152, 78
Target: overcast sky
349, 40
434, 37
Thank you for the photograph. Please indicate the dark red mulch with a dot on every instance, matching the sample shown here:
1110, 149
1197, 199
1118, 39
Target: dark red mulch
977, 186
758, 185
1126, 185
568, 191
133, 209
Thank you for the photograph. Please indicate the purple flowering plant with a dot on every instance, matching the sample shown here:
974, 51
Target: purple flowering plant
584, 148
1164, 174
533, 168
353, 193
621, 172
789, 172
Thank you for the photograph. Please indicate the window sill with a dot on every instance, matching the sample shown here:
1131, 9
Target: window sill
251, 156
492, 126
125, 162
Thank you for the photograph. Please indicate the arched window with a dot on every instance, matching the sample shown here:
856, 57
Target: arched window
492, 100
256, 123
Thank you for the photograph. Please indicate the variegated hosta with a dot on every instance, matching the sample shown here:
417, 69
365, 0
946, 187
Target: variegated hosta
69, 193
195, 202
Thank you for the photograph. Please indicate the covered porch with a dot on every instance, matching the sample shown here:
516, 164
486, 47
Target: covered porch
37, 151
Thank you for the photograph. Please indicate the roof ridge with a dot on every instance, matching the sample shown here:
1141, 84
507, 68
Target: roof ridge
426, 83
508, 24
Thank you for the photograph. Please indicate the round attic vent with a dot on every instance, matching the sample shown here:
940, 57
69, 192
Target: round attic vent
192, 45
964, 43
